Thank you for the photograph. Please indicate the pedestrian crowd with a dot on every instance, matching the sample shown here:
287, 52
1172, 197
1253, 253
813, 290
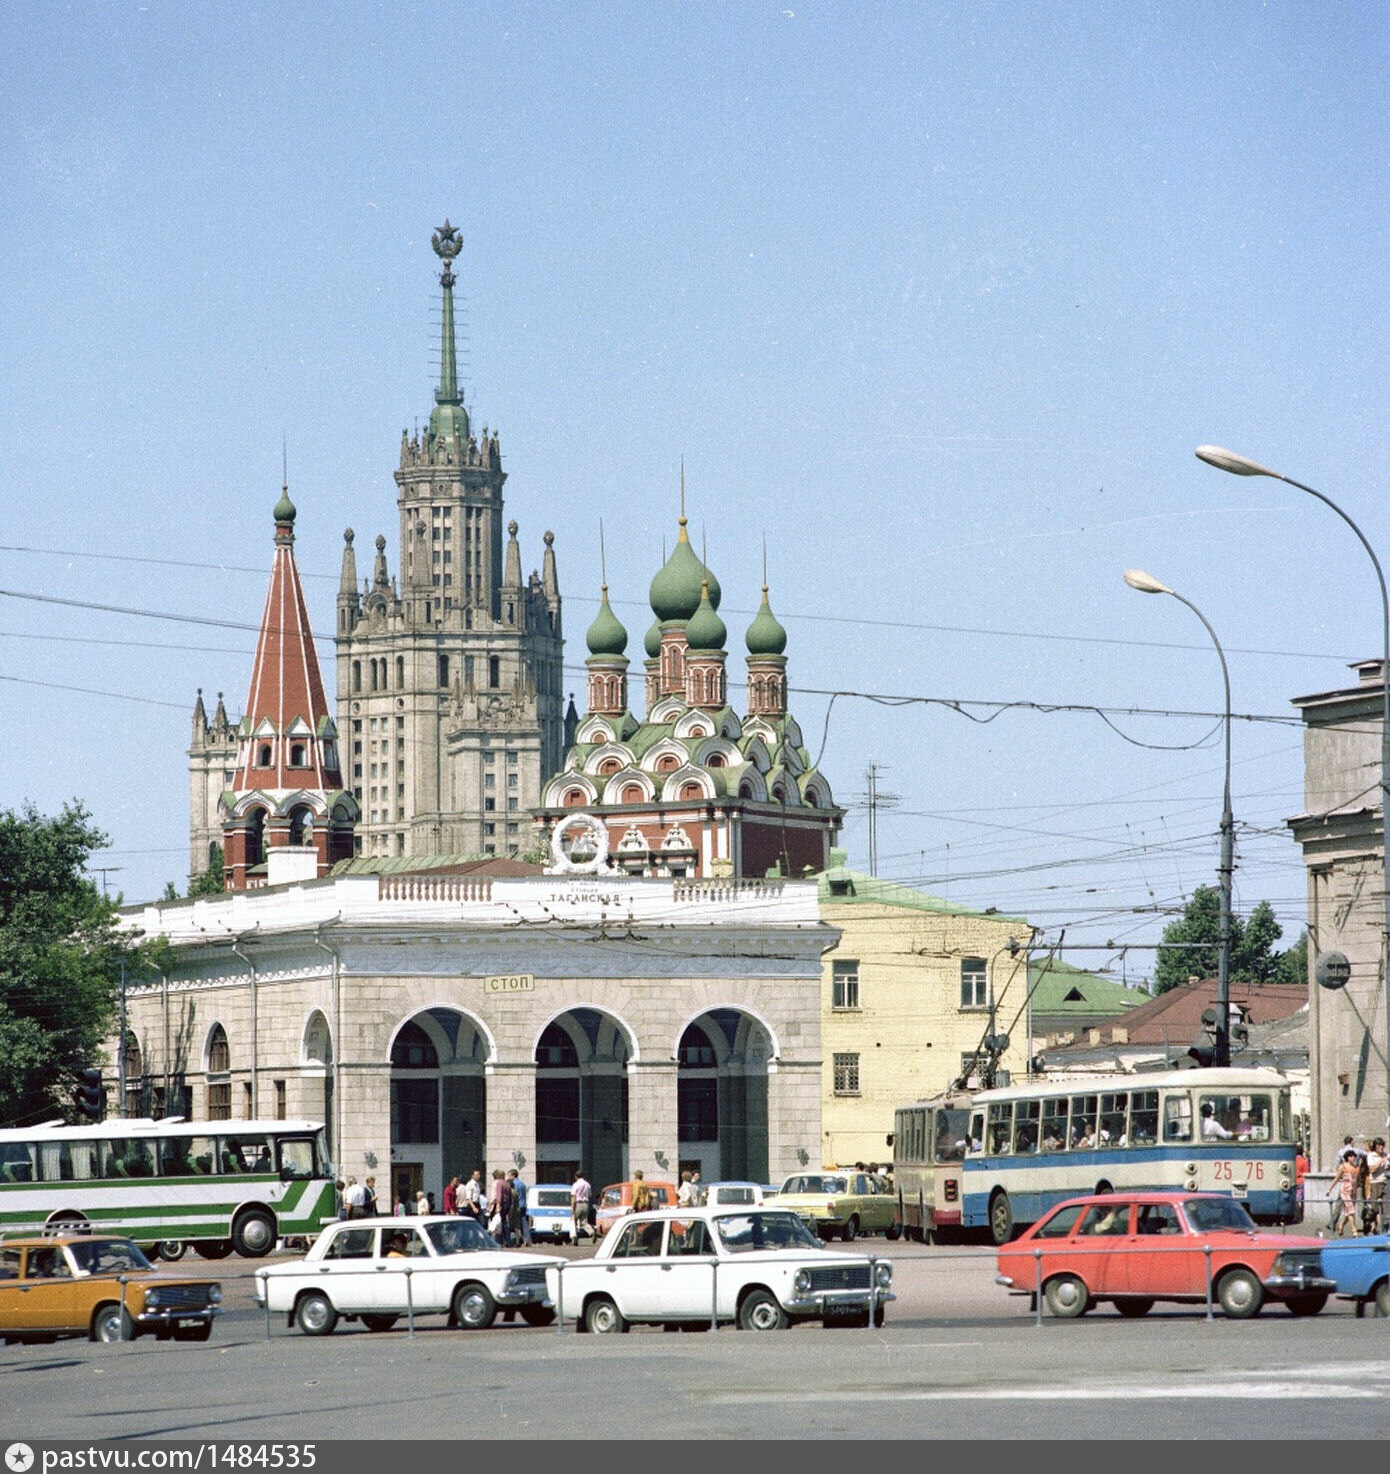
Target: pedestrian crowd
1358, 1188
501, 1209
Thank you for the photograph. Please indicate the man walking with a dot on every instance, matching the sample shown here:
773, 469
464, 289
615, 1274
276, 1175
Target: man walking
580, 1193
520, 1224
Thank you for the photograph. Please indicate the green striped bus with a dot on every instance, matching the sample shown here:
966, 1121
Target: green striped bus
216, 1185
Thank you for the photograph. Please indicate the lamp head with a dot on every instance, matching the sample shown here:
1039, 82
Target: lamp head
1146, 583
1228, 460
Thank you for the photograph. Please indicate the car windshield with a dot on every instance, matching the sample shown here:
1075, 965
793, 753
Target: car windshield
747, 1233
1209, 1213
459, 1236
108, 1256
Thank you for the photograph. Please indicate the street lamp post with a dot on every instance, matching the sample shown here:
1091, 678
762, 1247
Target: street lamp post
1237, 465
1146, 583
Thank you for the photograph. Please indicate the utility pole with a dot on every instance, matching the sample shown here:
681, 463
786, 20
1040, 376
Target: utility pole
876, 799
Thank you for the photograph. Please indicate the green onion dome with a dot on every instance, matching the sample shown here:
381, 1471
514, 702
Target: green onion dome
765, 635
606, 635
675, 591
706, 630
652, 641
284, 508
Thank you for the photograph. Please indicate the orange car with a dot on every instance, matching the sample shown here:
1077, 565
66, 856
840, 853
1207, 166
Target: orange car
102, 1287
615, 1202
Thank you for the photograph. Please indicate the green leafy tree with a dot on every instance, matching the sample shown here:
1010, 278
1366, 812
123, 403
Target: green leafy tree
213, 880
1191, 945
60, 961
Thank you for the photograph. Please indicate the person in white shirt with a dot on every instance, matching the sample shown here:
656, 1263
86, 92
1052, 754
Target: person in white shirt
1212, 1129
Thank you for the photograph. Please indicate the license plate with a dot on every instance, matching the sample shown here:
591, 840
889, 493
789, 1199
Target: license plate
838, 1312
189, 1320
1238, 1190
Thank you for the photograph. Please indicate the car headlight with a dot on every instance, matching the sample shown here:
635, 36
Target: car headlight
214, 1294
152, 1299
802, 1282
512, 1279
884, 1274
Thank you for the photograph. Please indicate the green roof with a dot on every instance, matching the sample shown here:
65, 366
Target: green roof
841, 886
1060, 989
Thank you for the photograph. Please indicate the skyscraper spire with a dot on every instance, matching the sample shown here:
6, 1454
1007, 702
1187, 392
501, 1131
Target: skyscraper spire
448, 418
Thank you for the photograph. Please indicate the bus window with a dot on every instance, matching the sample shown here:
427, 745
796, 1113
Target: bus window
1001, 1123
1026, 1127
17, 1162
977, 1131
1143, 1118
121, 1157
1248, 1117
68, 1161
297, 1156
173, 1157
952, 1127
1177, 1118
246, 1154
202, 1155
1114, 1118
1054, 1124
1083, 1121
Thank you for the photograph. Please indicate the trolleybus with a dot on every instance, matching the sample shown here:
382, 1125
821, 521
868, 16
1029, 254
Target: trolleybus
929, 1141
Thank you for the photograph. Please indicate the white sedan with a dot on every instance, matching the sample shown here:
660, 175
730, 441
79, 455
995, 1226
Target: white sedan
759, 1268
377, 1270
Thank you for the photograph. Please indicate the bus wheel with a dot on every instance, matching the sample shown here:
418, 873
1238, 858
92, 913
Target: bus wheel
171, 1250
254, 1233
1067, 1297
1001, 1217
893, 1232
212, 1248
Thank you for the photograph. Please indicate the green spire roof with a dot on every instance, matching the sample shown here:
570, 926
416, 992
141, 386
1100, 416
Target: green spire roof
448, 418
606, 635
706, 631
675, 591
284, 508
765, 635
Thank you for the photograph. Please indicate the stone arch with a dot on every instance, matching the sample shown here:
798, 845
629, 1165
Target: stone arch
722, 1059
316, 1073
582, 1055
437, 1055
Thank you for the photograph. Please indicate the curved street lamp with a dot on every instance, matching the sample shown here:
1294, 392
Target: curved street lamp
1146, 583
1238, 465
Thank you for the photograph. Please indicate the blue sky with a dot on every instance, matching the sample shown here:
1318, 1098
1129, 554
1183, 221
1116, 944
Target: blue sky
935, 300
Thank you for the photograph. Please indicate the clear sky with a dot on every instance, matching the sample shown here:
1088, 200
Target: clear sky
935, 301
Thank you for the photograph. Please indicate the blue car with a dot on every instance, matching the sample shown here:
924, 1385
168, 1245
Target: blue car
1361, 1268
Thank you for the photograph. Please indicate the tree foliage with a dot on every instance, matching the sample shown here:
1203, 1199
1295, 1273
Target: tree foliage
60, 961
1191, 945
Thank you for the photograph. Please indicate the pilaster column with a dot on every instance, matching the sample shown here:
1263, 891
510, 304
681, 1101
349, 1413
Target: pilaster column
793, 1117
511, 1114
651, 1118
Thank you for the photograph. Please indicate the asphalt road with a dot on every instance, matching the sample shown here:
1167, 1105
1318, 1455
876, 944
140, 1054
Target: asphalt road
958, 1358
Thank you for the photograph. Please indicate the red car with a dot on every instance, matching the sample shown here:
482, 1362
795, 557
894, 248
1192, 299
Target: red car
1136, 1248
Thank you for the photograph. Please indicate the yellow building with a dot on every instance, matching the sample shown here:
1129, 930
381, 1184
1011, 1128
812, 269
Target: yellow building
909, 999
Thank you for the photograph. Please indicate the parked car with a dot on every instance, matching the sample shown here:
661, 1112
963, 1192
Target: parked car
378, 1269
1134, 1249
729, 1195
548, 1207
76, 1285
761, 1269
841, 1203
1361, 1269
615, 1201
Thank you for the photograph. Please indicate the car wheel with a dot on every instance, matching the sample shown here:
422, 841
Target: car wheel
1306, 1304
851, 1229
315, 1315
1240, 1294
538, 1315
604, 1318
200, 1332
1132, 1308
1001, 1218
379, 1322
212, 1248
1383, 1298
474, 1307
254, 1234
880, 1313
1067, 1297
171, 1250
762, 1311
111, 1323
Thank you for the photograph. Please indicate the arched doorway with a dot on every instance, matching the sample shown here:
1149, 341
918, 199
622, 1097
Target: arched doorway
721, 1096
316, 1057
581, 1098
438, 1103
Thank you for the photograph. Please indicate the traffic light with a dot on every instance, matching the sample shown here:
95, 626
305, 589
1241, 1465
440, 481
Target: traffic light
91, 1097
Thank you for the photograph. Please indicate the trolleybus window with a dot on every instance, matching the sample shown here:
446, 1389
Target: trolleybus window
1054, 1123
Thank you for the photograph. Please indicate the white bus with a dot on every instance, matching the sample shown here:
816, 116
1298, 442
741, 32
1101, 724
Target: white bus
1195, 1130
217, 1185
929, 1141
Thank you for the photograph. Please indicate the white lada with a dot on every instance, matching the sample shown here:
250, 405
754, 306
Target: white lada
759, 1268
378, 1270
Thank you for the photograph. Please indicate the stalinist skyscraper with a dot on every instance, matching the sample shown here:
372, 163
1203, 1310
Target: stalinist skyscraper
449, 671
